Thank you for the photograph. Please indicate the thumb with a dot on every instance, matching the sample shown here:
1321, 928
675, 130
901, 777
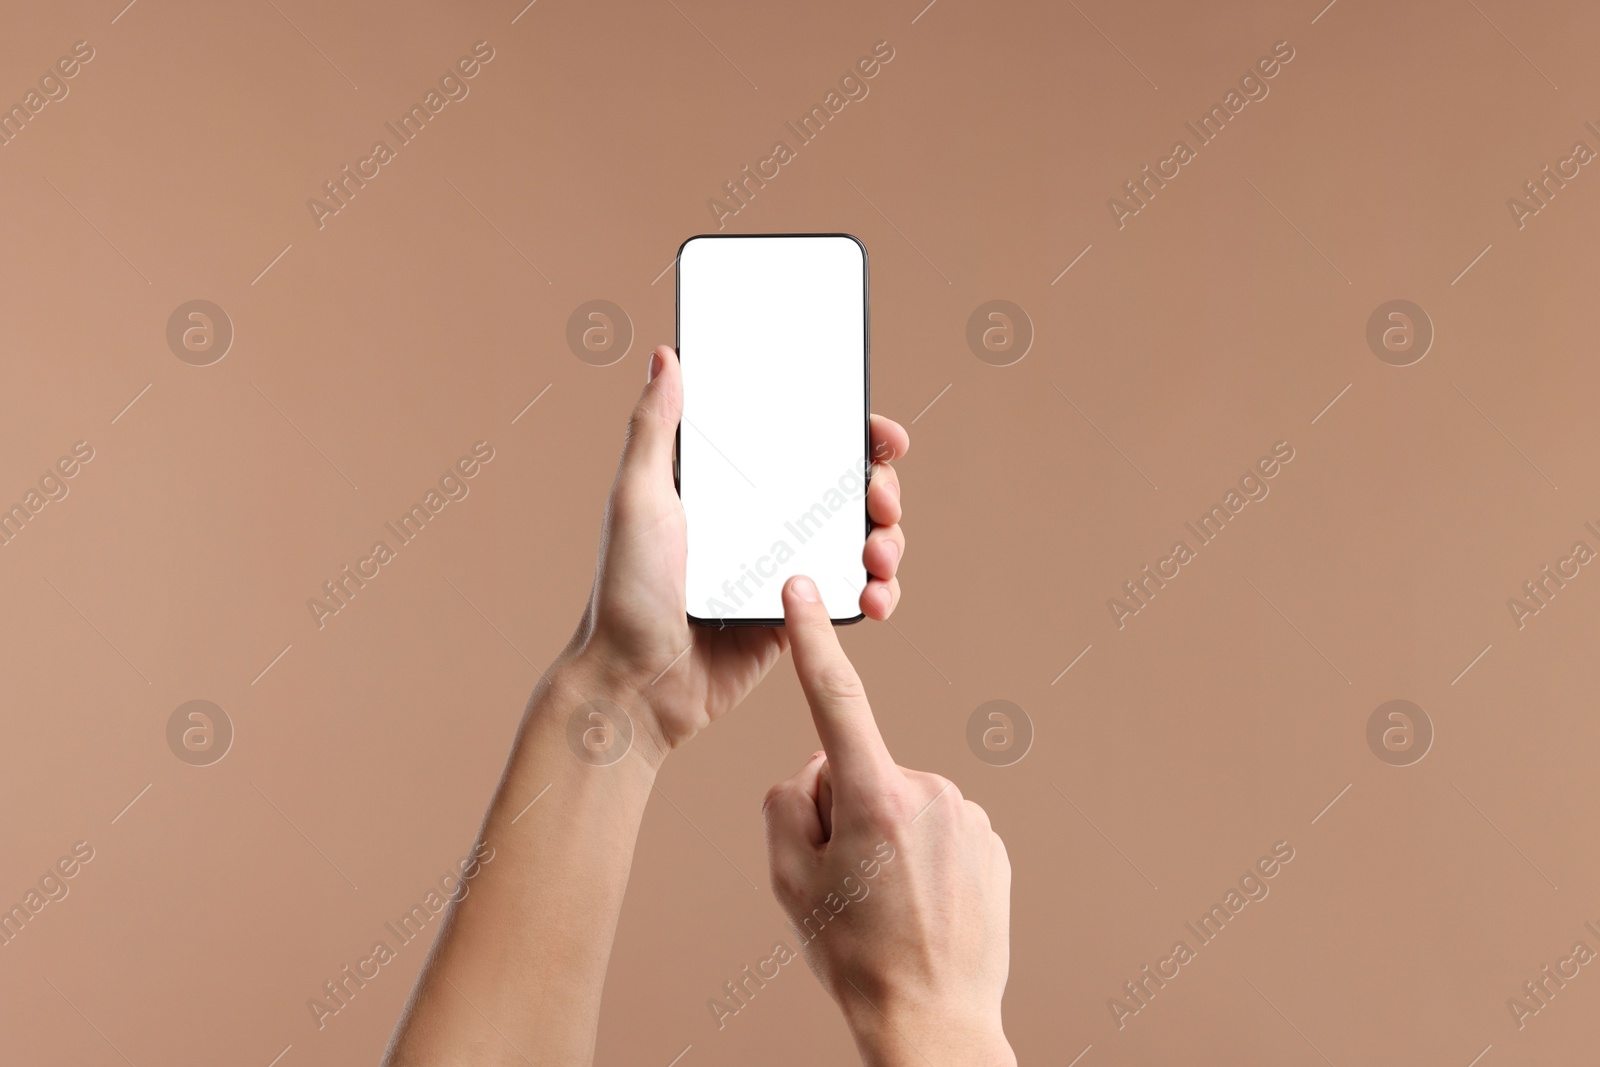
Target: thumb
653, 426
857, 756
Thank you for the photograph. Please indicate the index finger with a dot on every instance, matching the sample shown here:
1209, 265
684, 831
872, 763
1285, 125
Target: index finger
849, 733
890, 440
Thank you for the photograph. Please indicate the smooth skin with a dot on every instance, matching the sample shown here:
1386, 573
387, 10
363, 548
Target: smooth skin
516, 972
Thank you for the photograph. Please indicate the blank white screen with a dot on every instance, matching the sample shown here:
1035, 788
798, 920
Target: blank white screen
772, 449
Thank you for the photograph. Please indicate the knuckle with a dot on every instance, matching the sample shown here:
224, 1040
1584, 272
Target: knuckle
638, 421
773, 801
892, 533
948, 793
889, 809
638, 426
645, 415
977, 815
932, 797
839, 682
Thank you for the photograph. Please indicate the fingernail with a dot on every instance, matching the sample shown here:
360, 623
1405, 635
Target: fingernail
805, 589
655, 367
894, 552
817, 755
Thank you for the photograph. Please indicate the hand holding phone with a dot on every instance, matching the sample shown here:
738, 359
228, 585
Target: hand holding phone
636, 625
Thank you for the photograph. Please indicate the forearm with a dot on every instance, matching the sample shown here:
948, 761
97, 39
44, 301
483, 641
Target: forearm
518, 968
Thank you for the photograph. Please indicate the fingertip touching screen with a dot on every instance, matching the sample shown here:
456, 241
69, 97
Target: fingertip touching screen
772, 447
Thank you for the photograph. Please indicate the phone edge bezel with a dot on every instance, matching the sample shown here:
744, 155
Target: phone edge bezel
866, 372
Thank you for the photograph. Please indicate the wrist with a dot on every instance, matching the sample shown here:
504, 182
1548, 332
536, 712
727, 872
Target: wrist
602, 711
902, 1037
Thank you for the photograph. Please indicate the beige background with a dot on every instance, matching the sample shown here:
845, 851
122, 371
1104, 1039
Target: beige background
424, 317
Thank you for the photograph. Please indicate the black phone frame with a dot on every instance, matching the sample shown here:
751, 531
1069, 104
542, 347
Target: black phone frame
866, 392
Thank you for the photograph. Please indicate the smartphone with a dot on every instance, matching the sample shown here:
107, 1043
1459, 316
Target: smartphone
773, 445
